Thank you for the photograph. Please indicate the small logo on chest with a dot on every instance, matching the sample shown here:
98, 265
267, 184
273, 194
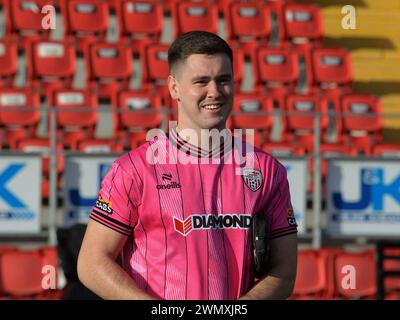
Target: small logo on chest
252, 178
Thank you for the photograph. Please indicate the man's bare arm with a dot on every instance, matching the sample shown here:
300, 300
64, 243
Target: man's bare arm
97, 268
279, 282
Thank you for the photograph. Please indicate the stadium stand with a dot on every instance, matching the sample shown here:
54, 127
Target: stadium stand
301, 60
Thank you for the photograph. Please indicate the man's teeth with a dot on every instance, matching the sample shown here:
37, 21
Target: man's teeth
212, 106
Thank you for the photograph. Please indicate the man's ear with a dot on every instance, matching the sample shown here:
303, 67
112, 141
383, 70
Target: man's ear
173, 87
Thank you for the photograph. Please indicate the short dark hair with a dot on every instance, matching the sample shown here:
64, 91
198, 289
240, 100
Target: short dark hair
201, 42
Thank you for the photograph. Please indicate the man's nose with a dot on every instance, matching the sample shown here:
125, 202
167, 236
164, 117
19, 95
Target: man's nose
214, 90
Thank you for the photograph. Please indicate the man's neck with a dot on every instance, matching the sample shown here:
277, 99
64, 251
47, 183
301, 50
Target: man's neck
206, 139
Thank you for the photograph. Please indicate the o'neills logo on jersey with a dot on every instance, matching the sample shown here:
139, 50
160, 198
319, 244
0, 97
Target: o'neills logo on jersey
201, 222
172, 185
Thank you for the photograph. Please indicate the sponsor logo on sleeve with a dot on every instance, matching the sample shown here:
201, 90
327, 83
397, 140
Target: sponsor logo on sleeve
104, 205
291, 218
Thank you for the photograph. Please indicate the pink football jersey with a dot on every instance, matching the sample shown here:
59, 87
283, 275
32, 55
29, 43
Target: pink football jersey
188, 213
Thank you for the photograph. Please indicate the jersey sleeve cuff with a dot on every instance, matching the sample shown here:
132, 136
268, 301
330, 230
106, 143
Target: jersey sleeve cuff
111, 223
282, 232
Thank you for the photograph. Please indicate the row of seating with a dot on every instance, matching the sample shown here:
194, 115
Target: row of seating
333, 273
111, 65
29, 274
90, 19
349, 115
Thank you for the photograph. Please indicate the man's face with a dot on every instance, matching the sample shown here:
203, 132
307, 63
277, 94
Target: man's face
203, 86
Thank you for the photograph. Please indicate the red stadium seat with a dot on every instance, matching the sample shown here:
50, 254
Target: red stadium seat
300, 119
24, 18
311, 280
155, 63
245, 108
140, 109
99, 146
249, 23
283, 149
189, 16
276, 66
110, 65
392, 284
332, 67
364, 130
20, 113
387, 150
86, 20
137, 110
303, 22
8, 61
81, 121
140, 18
22, 273
42, 145
362, 267
52, 62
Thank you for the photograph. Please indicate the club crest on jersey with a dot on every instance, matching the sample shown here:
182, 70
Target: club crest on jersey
211, 221
253, 178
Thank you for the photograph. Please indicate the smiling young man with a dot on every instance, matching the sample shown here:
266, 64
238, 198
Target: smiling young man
185, 229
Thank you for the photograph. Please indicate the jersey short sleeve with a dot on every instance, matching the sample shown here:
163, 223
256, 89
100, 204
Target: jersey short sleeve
114, 206
279, 210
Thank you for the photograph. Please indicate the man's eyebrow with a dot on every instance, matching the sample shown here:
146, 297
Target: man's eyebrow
222, 76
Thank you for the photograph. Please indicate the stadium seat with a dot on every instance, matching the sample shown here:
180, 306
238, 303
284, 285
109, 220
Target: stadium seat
141, 19
283, 149
276, 67
20, 113
189, 16
140, 109
22, 273
246, 113
332, 67
303, 22
300, 119
24, 19
99, 146
109, 66
53, 63
81, 121
42, 146
86, 21
137, 110
392, 284
311, 280
363, 121
8, 61
387, 150
248, 23
155, 63
362, 267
